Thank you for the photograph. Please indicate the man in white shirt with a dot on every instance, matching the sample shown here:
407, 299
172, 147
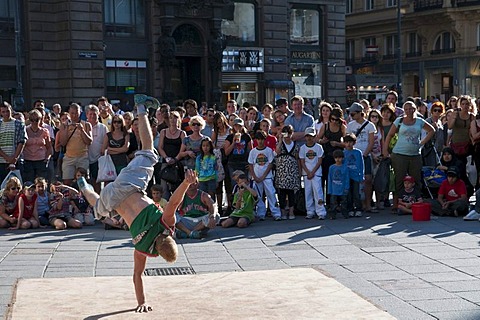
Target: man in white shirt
99, 130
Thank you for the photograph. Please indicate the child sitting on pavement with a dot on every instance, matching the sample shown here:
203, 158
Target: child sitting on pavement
43, 201
81, 210
26, 209
408, 196
452, 196
244, 202
60, 216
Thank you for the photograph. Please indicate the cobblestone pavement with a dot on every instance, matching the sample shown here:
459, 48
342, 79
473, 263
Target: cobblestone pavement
413, 270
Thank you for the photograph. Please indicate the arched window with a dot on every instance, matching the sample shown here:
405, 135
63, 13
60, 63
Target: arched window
445, 43
239, 23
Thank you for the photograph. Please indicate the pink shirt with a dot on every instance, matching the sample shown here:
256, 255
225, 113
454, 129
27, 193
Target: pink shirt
35, 147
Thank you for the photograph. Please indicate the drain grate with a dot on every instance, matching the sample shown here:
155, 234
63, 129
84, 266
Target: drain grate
174, 271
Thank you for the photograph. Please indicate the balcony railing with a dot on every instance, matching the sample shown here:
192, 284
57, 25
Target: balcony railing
442, 51
421, 5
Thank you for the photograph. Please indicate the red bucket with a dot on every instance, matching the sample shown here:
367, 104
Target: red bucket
421, 211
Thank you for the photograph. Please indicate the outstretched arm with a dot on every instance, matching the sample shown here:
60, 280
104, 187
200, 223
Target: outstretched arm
139, 262
177, 197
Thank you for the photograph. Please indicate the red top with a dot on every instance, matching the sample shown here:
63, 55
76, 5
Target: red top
28, 206
270, 142
452, 191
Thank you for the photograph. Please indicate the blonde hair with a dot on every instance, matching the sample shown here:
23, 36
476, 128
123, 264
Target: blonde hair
199, 119
13, 182
167, 248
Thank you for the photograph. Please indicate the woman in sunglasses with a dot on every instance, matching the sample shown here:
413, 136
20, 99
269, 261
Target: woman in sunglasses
432, 151
331, 138
8, 202
192, 144
116, 143
38, 148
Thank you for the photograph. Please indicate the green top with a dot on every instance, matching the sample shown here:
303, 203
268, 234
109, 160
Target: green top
193, 207
146, 228
247, 206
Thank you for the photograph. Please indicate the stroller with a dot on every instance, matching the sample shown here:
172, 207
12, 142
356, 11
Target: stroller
432, 179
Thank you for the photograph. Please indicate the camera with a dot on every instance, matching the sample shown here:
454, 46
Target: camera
242, 187
285, 134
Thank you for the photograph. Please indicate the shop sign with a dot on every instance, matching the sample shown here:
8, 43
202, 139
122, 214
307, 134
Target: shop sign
248, 58
307, 55
88, 55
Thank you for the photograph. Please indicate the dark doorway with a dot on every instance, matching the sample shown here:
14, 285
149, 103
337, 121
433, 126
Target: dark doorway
187, 79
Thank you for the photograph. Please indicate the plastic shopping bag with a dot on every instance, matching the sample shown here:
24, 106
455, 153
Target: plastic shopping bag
11, 174
106, 169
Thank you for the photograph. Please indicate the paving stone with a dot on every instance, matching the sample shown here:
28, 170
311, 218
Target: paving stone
456, 286
402, 284
454, 304
370, 267
455, 315
216, 268
384, 249
400, 309
403, 258
472, 296
385, 275
422, 294
433, 267
445, 276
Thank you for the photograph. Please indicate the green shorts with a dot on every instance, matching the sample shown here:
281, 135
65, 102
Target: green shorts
146, 228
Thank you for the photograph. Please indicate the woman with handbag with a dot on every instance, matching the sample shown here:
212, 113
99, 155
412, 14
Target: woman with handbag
191, 144
460, 123
406, 154
116, 143
169, 145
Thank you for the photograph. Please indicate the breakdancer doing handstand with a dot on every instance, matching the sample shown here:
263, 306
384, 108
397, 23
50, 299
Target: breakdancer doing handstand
151, 229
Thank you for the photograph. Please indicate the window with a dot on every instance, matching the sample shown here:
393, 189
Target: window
445, 43
125, 18
7, 9
239, 23
307, 79
305, 27
391, 3
349, 8
478, 37
350, 50
368, 5
390, 47
126, 76
414, 45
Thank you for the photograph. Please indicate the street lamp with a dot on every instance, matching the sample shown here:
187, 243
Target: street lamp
399, 52
19, 102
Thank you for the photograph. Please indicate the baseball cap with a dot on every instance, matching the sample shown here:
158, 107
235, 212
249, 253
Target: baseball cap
355, 107
409, 179
28, 184
238, 121
452, 171
310, 131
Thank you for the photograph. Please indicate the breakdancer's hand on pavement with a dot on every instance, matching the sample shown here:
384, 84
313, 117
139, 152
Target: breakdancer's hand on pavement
143, 308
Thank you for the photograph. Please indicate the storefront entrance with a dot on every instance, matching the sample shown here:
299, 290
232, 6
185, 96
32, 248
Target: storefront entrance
187, 79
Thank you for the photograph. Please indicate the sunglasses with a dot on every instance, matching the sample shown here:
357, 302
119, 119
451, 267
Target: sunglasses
117, 121
335, 119
196, 124
14, 188
437, 110
34, 120
374, 116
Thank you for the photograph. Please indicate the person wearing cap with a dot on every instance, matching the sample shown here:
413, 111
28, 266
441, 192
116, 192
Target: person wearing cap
260, 164
406, 154
408, 196
299, 120
452, 196
311, 155
365, 131
26, 210
237, 147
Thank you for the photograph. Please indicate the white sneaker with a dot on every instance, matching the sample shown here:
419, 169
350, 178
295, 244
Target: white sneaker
309, 216
321, 217
471, 216
358, 214
351, 214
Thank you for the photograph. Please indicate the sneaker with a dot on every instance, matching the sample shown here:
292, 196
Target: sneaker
472, 216
358, 213
351, 214
309, 216
291, 217
284, 217
195, 235
148, 102
322, 217
278, 218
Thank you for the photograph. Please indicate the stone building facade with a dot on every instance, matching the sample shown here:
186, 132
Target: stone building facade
211, 50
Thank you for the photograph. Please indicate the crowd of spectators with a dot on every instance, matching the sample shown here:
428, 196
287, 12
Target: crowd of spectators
258, 161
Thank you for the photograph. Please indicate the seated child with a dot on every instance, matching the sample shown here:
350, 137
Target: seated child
43, 203
408, 196
157, 192
26, 209
60, 216
244, 203
452, 196
81, 209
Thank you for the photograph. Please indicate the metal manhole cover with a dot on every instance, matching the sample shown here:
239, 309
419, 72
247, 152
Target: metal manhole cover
174, 271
